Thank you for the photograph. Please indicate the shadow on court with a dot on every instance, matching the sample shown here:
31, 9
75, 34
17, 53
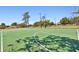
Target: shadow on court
50, 43
61, 44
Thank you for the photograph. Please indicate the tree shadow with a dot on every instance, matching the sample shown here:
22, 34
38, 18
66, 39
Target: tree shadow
62, 43
52, 43
21, 49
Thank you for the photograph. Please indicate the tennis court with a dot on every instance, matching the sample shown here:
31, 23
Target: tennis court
61, 40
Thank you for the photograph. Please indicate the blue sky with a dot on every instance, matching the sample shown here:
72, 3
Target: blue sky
10, 14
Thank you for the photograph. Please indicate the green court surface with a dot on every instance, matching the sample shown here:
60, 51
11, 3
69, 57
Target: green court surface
61, 39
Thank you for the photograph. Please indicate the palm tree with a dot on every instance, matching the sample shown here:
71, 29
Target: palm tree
46, 23
26, 18
43, 18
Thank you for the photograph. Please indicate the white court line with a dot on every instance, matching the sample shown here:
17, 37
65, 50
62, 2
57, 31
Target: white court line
1, 40
41, 44
77, 34
44, 47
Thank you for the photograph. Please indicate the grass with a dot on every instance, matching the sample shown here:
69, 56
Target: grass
11, 35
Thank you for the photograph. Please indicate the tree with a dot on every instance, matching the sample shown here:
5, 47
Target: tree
76, 20
43, 18
26, 18
43, 23
46, 23
51, 23
14, 24
3, 24
64, 21
36, 24
21, 25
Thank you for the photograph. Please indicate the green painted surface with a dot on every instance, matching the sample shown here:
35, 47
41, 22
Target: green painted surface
10, 36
